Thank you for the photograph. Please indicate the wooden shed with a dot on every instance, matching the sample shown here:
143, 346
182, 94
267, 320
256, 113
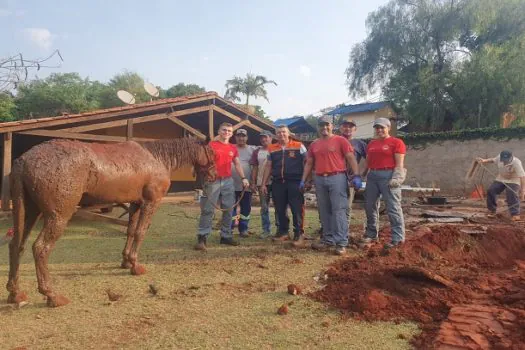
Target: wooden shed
197, 115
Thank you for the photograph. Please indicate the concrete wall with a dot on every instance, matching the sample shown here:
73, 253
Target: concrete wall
446, 163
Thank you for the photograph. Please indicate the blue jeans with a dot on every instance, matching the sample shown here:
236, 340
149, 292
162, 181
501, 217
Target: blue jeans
377, 185
513, 199
265, 210
223, 189
332, 203
246, 209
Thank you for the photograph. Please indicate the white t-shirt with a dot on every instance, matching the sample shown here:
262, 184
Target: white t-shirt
509, 173
262, 158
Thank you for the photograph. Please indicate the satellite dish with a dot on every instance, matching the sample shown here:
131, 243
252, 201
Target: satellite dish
126, 97
151, 89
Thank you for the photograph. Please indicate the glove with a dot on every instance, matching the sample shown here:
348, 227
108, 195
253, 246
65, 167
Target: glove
398, 177
357, 182
245, 183
301, 186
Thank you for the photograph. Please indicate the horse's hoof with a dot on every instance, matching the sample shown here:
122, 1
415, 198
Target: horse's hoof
57, 300
17, 298
125, 265
138, 270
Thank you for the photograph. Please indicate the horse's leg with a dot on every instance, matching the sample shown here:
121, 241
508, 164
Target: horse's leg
134, 212
54, 225
147, 210
29, 212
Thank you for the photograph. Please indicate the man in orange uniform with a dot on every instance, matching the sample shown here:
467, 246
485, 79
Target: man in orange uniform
285, 164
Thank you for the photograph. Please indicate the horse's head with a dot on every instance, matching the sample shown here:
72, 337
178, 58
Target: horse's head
205, 162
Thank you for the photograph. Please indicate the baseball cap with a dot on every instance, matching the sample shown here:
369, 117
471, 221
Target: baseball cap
325, 119
241, 132
347, 121
505, 156
265, 133
384, 122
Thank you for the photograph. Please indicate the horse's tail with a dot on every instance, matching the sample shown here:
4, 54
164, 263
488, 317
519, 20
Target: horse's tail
18, 199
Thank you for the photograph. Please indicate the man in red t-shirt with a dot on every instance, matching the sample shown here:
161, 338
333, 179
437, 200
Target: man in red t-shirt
328, 157
385, 162
222, 188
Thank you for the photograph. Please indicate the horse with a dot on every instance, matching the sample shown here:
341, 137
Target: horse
52, 178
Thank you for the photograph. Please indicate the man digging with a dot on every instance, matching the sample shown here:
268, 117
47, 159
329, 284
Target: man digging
511, 178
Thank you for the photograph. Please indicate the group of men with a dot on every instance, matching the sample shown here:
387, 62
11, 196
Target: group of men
282, 171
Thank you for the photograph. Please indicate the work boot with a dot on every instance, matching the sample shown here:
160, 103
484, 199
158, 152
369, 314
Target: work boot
201, 243
339, 250
299, 241
392, 245
280, 238
243, 234
320, 246
228, 241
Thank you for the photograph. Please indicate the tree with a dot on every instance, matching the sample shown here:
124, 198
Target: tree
250, 86
56, 95
261, 113
7, 107
182, 89
420, 52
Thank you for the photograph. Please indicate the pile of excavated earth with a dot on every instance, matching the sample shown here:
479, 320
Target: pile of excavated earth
464, 285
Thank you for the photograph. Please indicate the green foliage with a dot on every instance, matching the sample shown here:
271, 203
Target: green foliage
182, 89
419, 139
261, 113
68, 93
445, 64
55, 95
250, 86
7, 108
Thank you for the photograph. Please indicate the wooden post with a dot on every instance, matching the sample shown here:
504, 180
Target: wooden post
129, 130
210, 122
6, 171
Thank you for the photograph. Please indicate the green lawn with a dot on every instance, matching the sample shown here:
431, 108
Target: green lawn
226, 298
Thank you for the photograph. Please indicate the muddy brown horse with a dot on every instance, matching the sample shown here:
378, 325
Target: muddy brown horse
52, 178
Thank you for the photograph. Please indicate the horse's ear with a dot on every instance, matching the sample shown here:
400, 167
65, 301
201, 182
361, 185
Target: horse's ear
208, 139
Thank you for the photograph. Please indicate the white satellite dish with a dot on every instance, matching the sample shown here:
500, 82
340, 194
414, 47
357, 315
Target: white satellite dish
151, 89
126, 97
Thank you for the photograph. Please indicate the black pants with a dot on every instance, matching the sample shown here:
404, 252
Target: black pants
286, 194
513, 199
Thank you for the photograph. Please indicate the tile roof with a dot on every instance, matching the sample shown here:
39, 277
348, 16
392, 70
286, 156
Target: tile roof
139, 107
360, 108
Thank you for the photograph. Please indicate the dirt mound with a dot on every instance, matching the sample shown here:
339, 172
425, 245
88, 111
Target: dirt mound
445, 278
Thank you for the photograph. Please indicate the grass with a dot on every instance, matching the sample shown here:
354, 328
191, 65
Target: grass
226, 298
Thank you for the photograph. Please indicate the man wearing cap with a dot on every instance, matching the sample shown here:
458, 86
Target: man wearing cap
286, 164
225, 154
258, 163
328, 156
245, 155
511, 178
386, 173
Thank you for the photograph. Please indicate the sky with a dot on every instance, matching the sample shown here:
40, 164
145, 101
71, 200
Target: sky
302, 45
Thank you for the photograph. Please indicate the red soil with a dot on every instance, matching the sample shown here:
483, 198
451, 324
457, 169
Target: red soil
465, 291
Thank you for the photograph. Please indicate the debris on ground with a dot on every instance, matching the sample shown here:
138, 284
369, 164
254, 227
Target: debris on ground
283, 310
294, 289
112, 296
464, 285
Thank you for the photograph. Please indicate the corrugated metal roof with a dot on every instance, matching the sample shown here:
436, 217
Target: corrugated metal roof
296, 124
359, 108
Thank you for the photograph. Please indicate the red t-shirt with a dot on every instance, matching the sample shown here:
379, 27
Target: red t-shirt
224, 155
329, 154
380, 153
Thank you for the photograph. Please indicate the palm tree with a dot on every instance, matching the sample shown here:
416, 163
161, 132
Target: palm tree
249, 86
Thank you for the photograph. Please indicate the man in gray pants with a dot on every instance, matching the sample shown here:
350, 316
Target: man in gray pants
225, 154
328, 157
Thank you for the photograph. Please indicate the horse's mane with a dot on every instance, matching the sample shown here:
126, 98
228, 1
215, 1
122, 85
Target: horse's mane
174, 152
